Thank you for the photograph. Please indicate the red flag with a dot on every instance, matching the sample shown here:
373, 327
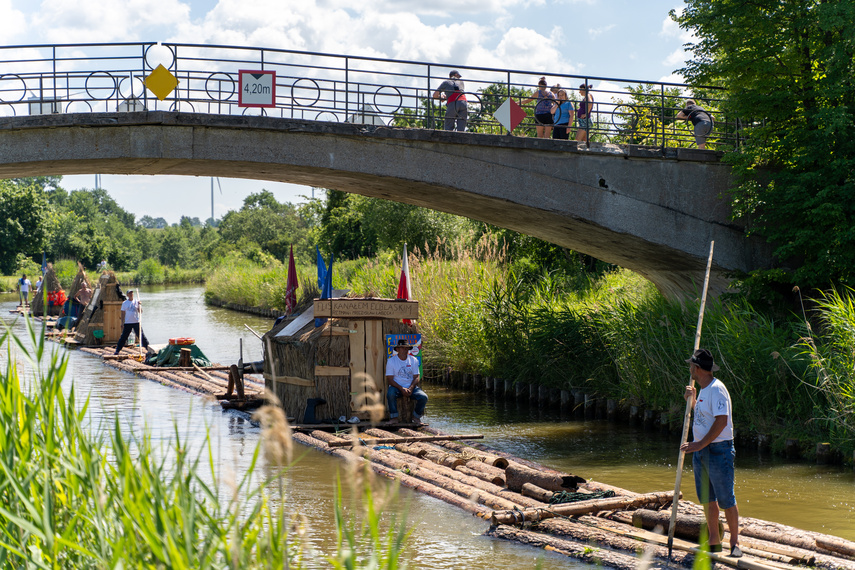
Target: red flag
291, 285
404, 284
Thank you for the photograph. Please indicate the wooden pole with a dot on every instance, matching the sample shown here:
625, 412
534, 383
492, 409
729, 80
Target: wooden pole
396, 440
688, 413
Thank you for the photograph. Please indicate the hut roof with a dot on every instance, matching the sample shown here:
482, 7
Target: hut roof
81, 281
50, 283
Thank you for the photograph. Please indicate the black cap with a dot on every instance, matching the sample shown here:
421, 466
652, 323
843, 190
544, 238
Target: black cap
453, 73
703, 359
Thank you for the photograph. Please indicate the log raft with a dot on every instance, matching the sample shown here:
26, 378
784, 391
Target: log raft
514, 495
206, 381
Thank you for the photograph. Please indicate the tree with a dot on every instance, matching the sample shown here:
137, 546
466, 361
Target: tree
23, 227
789, 67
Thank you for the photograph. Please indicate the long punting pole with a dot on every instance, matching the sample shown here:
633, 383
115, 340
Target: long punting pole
688, 414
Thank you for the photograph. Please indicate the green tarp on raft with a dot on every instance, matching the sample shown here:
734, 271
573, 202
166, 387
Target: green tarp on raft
169, 355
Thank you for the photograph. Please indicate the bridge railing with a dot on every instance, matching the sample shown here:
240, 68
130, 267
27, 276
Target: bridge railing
82, 78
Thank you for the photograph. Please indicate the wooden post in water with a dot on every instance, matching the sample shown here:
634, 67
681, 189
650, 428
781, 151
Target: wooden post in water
688, 413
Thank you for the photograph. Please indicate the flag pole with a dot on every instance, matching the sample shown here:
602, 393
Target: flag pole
688, 413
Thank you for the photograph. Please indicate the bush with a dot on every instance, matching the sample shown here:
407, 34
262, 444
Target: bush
149, 272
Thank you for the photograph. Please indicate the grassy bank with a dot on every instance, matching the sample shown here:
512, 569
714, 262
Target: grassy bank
613, 335
73, 496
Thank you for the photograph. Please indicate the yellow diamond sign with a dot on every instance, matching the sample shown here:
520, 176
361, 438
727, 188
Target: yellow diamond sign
161, 82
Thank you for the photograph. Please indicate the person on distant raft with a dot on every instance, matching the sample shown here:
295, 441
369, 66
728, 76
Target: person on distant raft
402, 375
542, 110
131, 311
452, 92
713, 449
701, 120
24, 285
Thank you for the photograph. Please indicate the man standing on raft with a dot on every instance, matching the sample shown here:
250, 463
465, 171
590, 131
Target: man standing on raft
713, 449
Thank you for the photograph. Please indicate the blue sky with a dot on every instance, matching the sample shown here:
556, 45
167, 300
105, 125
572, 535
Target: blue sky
625, 39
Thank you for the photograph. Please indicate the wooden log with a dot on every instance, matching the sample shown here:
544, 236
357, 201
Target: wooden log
834, 544
687, 526
580, 550
450, 443
580, 508
406, 480
493, 479
517, 475
495, 474
535, 492
185, 358
413, 439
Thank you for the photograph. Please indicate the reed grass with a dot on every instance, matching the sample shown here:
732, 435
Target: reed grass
77, 496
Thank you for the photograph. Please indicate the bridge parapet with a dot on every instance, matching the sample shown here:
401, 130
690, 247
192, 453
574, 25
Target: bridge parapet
83, 78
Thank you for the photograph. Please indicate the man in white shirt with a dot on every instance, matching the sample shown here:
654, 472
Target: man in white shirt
131, 311
402, 375
713, 449
24, 285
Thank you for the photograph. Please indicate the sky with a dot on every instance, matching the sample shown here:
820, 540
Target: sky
625, 39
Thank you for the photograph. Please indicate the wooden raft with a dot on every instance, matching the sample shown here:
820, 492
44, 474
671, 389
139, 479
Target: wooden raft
208, 381
599, 531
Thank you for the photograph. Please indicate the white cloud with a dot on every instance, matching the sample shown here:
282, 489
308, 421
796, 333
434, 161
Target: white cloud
670, 29
676, 58
595, 32
13, 24
79, 21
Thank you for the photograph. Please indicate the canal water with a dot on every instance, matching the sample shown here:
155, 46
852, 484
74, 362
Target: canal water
820, 498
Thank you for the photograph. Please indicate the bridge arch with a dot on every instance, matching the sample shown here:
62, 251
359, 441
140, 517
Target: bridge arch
625, 205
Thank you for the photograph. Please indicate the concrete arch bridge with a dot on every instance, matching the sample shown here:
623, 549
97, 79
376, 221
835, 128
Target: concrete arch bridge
651, 210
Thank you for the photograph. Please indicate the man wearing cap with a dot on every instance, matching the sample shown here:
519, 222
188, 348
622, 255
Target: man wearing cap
456, 111
131, 311
402, 375
713, 449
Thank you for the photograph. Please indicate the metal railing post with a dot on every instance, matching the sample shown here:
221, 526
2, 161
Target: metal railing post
346, 88
662, 115
428, 108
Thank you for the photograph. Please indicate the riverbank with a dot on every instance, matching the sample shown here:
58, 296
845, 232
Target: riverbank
615, 338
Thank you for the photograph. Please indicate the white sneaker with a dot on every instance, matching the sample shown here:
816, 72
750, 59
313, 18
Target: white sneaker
353, 420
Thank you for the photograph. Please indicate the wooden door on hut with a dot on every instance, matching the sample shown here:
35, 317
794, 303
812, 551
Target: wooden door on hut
342, 362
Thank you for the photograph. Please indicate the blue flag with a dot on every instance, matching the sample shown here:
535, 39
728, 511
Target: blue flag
322, 269
326, 289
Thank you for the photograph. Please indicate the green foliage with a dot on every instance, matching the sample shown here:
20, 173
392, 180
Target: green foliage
149, 272
788, 67
24, 224
74, 495
66, 271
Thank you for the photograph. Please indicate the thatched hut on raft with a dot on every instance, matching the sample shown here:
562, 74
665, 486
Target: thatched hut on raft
342, 361
50, 292
101, 321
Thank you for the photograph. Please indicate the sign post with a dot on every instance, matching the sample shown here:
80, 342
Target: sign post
257, 88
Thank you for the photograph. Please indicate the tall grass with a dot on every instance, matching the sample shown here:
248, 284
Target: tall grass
73, 496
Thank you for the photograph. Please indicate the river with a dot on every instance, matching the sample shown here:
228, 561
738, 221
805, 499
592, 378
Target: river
804, 495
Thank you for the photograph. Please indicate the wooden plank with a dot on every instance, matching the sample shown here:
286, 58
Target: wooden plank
357, 365
366, 308
412, 439
375, 355
112, 321
294, 380
331, 371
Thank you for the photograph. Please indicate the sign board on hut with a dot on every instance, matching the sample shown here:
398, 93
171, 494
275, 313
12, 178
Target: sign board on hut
366, 309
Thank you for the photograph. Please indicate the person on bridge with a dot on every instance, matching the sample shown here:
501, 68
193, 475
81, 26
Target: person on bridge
24, 285
701, 120
583, 113
562, 113
543, 109
402, 375
131, 311
452, 92
713, 449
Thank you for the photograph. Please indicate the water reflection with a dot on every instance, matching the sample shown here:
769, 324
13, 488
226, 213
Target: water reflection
802, 495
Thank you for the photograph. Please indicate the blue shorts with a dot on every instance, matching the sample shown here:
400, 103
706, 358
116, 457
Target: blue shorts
713, 466
583, 124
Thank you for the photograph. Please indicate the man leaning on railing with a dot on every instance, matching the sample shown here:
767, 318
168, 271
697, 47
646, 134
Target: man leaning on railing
456, 111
